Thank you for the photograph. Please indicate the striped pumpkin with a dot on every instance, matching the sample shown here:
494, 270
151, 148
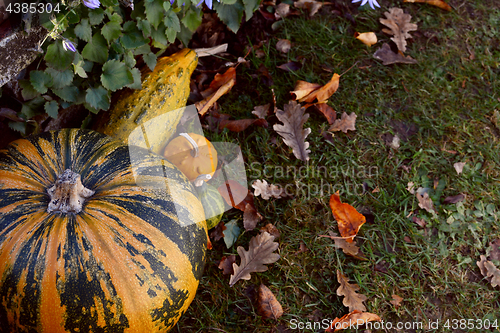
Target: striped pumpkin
89, 241
213, 204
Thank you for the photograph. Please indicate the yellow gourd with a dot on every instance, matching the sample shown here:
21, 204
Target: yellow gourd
163, 95
193, 154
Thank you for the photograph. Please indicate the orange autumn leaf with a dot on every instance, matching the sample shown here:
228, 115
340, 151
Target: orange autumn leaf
303, 89
348, 218
354, 318
438, 3
323, 93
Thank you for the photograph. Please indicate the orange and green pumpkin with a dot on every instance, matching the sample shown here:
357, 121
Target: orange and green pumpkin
85, 246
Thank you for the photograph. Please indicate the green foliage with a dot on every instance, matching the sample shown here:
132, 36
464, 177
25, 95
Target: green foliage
108, 40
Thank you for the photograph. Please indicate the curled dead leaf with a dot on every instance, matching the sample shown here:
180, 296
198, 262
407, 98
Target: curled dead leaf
388, 57
355, 318
251, 217
226, 264
267, 304
396, 301
438, 3
327, 111
348, 219
367, 38
283, 45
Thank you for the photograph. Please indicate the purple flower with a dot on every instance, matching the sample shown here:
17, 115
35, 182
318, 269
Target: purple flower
67, 45
92, 4
371, 2
208, 2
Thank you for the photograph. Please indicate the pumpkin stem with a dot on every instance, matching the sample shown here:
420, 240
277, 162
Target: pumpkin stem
193, 143
201, 179
68, 193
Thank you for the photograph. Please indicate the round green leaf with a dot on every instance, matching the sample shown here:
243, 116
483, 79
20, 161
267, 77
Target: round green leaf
60, 78
136, 74
111, 31
40, 81
57, 57
52, 109
68, 93
150, 60
115, 75
98, 98
84, 30
96, 50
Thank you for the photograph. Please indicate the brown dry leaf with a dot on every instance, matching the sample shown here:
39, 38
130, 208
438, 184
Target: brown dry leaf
266, 191
260, 252
438, 3
396, 301
303, 89
204, 105
267, 304
388, 57
495, 250
367, 38
348, 219
459, 167
9, 114
352, 299
292, 132
489, 270
226, 264
218, 81
327, 111
261, 111
311, 6
421, 222
241, 124
348, 248
282, 10
425, 202
399, 25
454, 199
283, 45
251, 217
272, 230
323, 93
352, 319
345, 123
231, 191
218, 231
290, 66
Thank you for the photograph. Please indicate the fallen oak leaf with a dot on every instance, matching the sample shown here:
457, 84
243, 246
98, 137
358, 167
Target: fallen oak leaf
489, 270
353, 318
240, 125
260, 252
438, 3
348, 219
266, 191
425, 202
226, 264
388, 57
345, 123
267, 304
292, 132
272, 230
396, 301
367, 38
352, 299
261, 111
399, 25
251, 217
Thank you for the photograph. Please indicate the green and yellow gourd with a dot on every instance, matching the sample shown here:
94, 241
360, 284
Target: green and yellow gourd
163, 95
84, 248
213, 204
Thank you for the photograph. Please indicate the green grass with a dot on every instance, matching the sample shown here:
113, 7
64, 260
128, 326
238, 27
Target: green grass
448, 98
